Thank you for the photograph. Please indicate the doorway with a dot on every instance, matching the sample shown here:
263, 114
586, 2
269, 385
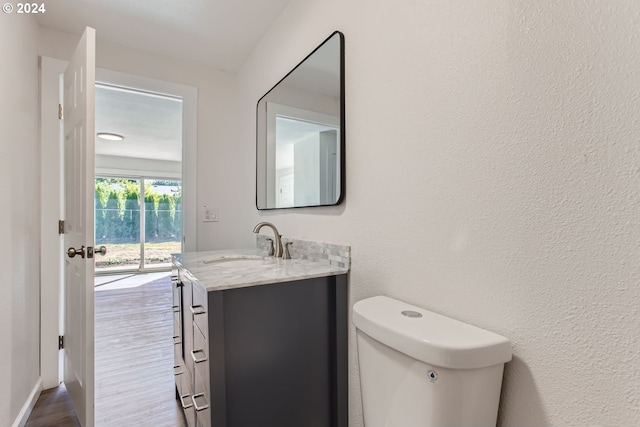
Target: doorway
138, 218
138, 185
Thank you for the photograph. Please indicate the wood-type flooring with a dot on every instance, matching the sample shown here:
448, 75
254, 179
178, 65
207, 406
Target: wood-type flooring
134, 382
53, 409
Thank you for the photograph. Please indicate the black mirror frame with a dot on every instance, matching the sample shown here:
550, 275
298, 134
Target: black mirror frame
342, 124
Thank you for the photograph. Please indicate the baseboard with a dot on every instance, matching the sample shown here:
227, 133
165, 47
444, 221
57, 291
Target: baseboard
23, 416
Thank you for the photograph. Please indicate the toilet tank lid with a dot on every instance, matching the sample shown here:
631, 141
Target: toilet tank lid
432, 338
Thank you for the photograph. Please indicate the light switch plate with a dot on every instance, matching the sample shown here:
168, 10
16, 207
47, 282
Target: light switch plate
209, 214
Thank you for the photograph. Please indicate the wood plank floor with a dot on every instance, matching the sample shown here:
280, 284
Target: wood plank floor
53, 409
134, 383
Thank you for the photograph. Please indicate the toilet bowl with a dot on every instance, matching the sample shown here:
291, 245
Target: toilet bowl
422, 369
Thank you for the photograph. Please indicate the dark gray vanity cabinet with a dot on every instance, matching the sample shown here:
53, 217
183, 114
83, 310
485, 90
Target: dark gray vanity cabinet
272, 355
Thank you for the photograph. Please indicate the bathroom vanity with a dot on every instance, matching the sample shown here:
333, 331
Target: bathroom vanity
260, 341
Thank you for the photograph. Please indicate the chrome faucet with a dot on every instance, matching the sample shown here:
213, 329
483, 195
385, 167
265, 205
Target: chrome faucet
278, 238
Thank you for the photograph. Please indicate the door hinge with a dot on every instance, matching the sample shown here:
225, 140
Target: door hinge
61, 226
60, 342
60, 112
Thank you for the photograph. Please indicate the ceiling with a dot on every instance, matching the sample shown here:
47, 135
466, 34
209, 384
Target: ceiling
217, 33
150, 124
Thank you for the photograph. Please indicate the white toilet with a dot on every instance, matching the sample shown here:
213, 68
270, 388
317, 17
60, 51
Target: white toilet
421, 369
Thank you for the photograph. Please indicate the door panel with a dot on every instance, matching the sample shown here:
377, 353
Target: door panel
79, 149
116, 225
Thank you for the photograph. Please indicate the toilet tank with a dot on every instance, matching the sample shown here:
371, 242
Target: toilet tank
422, 369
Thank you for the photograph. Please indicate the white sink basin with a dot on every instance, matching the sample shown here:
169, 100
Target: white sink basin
241, 262
238, 261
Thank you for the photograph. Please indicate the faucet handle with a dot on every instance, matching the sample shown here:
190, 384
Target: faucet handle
287, 254
270, 247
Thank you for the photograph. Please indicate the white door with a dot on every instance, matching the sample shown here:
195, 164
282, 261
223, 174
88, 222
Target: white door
79, 148
285, 191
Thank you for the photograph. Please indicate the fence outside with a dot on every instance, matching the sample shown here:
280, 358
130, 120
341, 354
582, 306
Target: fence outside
118, 219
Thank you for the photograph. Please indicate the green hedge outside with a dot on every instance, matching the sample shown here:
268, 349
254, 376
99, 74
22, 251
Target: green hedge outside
117, 212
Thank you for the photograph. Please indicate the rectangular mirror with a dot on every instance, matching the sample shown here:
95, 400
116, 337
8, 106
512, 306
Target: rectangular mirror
300, 133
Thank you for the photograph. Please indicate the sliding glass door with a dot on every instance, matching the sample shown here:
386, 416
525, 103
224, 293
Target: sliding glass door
162, 222
140, 222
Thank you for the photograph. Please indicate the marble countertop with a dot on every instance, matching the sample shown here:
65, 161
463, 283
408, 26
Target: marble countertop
238, 268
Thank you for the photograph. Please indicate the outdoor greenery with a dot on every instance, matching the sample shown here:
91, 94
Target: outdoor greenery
117, 210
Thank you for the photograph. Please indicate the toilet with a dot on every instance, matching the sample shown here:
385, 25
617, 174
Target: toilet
422, 369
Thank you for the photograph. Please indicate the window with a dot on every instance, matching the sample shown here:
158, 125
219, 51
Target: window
140, 222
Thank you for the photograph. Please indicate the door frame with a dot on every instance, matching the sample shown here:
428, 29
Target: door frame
52, 202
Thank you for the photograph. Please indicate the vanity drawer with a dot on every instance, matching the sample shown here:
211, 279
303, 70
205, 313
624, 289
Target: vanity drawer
199, 309
187, 321
176, 293
200, 356
176, 322
177, 353
177, 340
201, 380
190, 416
202, 410
186, 401
203, 418
178, 373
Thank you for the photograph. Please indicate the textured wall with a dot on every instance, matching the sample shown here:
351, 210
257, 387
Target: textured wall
493, 175
20, 214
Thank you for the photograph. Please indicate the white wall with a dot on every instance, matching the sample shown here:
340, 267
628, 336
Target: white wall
493, 175
20, 215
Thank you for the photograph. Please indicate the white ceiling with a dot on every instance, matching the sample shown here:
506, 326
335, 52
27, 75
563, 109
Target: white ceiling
151, 124
218, 33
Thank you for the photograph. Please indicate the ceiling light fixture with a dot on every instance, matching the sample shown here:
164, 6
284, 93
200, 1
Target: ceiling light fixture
108, 136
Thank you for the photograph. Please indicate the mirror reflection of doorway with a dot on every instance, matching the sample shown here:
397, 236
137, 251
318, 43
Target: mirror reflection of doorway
285, 190
305, 158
